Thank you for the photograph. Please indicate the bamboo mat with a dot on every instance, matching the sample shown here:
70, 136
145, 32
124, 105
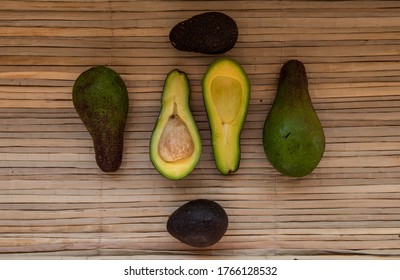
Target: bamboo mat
55, 202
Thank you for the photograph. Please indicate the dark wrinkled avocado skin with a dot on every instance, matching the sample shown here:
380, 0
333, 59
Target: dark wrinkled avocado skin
100, 98
198, 223
207, 33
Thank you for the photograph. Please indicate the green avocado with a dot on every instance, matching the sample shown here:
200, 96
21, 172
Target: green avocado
207, 33
226, 95
293, 137
198, 223
175, 145
101, 100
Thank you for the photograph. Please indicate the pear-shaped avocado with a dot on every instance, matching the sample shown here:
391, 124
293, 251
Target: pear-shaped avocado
100, 98
226, 95
293, 136
175, 145
208, 33
198, 223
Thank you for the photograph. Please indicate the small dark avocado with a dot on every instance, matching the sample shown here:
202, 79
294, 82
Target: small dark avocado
207, 33
100, 98
198, 223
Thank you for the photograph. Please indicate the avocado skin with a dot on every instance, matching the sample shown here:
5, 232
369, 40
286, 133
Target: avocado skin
198, 223
207, 33
293, 137
100, 98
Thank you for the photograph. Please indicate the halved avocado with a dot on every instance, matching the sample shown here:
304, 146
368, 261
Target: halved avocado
226, 95
175, 145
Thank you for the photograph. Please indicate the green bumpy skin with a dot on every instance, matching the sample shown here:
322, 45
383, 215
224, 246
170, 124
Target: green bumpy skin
100, 98
293, 137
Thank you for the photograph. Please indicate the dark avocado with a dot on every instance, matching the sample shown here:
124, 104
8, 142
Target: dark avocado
207, 33
198, 223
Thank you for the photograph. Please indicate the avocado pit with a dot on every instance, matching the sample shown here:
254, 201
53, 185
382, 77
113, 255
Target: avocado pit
175, 141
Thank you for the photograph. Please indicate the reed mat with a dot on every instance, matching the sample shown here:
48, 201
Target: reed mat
56, 203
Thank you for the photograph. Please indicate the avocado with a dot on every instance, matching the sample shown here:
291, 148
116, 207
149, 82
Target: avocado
293, 137
226, 95
207, 33
100, 98
175, 145
198, 223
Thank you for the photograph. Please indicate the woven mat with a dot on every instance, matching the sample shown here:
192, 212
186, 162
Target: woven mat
55, 202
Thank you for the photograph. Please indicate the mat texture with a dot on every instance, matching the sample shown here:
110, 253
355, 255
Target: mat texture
56, 203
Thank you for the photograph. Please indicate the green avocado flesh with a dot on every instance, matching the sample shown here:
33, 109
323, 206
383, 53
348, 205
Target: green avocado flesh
198, 223
101, 100
226, 94
175, 145
293, 137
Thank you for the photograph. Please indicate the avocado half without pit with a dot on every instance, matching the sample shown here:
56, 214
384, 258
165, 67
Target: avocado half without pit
175, 145
226, 95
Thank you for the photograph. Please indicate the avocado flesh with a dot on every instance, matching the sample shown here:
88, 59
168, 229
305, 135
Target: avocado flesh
293, 137
101, 100
175, 145
226, 94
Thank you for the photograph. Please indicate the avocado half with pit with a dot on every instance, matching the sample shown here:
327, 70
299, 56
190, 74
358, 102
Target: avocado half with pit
226, 95
175, 145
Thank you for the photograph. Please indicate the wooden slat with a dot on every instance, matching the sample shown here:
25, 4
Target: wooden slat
55, 202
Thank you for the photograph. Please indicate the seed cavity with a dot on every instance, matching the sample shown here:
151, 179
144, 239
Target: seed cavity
227, 97
175, 141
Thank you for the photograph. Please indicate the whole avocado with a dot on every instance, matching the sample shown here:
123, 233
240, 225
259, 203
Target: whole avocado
100, 98
207, 33
293, 137
198, 223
